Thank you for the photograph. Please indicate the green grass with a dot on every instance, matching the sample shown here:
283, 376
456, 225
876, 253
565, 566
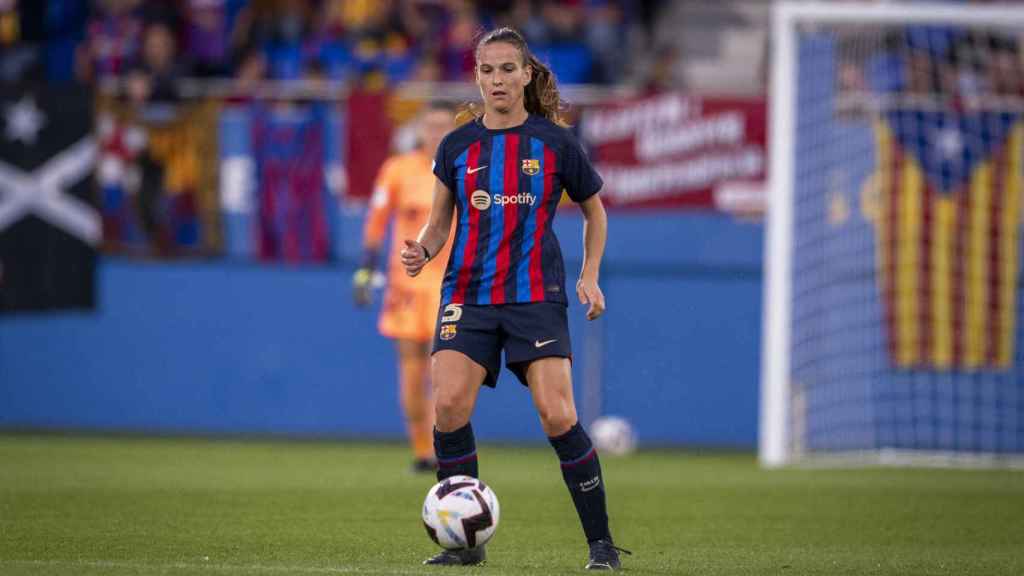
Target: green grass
114, 506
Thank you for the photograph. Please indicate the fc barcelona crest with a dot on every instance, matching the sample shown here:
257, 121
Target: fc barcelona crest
448, 331
531, 167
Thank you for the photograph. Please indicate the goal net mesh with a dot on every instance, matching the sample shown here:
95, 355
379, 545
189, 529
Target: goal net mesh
905, 308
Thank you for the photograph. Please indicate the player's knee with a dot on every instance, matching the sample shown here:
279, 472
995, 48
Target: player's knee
451, 411
450, 422
555, 421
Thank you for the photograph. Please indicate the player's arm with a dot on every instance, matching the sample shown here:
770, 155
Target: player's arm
595, 234
433, 236
381, 207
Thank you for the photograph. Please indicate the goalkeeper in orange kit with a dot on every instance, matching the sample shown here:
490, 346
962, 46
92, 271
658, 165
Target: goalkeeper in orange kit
403, 193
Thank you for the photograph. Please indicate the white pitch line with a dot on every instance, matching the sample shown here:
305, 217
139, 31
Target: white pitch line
208, 566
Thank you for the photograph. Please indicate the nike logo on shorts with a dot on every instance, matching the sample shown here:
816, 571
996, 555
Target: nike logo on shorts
474, 170
539, 344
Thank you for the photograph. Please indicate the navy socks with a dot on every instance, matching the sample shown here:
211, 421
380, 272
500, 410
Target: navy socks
581, 471
456, 453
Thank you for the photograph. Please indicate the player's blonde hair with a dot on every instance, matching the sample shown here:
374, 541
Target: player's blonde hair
540, 96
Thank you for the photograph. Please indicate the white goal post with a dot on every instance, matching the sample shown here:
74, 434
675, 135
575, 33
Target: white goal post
848, 386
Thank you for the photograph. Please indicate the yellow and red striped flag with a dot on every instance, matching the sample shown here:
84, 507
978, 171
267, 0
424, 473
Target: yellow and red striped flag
949, 185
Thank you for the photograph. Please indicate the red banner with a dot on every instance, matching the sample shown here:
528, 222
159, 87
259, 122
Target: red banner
671, 149
368, 141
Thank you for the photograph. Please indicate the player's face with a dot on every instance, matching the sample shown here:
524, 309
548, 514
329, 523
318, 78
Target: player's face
434, 125
502, 77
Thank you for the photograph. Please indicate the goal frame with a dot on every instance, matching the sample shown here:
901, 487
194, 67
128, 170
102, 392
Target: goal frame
774, 433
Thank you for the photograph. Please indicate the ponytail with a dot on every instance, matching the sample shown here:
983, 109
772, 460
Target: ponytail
541, 94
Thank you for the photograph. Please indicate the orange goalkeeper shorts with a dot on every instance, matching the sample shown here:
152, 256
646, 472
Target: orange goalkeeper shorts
409, 314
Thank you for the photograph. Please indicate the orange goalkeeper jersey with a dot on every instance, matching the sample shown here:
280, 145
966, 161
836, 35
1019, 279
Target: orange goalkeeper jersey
405, 190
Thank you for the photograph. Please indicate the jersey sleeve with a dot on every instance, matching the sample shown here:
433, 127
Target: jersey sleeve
442, 165
579, 177
381, 205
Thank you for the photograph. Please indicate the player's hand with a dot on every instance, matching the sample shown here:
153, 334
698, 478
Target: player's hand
362, 287
414, 257
590, 293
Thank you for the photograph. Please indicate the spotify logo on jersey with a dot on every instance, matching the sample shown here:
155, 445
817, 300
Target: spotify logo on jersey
480, 200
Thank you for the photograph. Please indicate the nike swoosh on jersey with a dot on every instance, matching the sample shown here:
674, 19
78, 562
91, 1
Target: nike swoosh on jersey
539, 344
474, 170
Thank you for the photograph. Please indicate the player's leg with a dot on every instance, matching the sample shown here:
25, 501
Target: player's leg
398, 321
457, 380
467, 354
417, 401
539, 351
417, 398
550, 382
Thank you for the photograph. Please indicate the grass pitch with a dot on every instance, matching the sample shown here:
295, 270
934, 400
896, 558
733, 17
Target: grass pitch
115, 506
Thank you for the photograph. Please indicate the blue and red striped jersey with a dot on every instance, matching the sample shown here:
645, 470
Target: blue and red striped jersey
507, 184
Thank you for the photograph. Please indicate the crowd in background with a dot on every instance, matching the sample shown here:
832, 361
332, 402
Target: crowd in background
712, 47
157, 171
374, 42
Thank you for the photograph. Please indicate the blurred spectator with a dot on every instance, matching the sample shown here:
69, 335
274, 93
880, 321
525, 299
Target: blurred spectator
64, 24
1005, 67
167, 12
428, 69
605, 30
329, 46
16, 57
648, 12
208, 25
384, 44
10, 24
288, 32
252, 68
664, 70
155, 78
253, 28
458, 39
562, 45
526, 17
114, 35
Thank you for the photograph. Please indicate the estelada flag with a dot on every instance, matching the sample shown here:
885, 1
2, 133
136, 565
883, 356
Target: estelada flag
949, 185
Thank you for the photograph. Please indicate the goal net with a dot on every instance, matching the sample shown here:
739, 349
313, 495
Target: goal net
893, 255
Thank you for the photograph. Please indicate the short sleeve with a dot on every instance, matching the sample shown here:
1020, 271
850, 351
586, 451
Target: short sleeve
442, 165
580, 179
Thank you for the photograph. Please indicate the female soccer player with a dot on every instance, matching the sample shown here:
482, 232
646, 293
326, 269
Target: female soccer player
403, 192
504, 288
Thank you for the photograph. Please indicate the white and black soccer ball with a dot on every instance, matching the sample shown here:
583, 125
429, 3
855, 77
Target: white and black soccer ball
613, 435
460, 513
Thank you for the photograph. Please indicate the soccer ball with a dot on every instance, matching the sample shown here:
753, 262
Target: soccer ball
613, 435
460, 512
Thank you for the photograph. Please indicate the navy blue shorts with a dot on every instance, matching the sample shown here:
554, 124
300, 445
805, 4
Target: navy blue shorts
525, 332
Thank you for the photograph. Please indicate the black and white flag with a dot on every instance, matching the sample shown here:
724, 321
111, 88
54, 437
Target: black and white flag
49, 225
